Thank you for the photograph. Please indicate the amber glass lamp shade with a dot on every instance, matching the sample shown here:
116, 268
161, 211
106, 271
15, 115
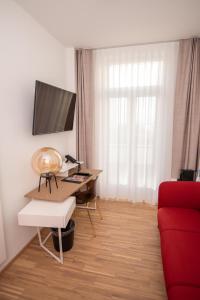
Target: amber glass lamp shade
46, 160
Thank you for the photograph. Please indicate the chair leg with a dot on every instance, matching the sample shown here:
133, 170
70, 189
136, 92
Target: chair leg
98, 208
93, 228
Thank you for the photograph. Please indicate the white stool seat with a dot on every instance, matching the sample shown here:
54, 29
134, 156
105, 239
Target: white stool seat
47, 213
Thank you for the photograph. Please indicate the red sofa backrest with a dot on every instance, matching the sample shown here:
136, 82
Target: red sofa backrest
184, 194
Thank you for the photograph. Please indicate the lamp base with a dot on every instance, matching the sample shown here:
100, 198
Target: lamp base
47, 177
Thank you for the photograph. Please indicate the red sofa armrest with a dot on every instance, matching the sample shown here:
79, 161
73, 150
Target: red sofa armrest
184, 194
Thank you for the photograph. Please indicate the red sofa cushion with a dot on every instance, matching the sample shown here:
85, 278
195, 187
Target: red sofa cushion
184, 293
181, 257
185, 194
179, 219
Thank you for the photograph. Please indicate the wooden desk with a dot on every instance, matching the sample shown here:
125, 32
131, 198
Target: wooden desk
59, 200
65, 189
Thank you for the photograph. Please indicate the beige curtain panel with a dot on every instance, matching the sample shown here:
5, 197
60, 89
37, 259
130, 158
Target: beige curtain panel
186, 132
84, 112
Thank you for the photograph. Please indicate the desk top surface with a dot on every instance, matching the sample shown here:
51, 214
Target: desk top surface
65, 189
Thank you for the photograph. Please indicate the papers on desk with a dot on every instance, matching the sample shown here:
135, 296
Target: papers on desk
66, 167
76, 178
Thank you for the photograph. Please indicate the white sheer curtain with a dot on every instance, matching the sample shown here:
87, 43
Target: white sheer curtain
133, 93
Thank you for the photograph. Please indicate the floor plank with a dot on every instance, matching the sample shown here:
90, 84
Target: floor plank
122, 262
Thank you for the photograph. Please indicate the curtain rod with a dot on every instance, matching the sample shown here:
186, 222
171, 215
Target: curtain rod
137, 44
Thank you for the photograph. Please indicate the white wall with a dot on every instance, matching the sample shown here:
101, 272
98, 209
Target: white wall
27, 53
2, 238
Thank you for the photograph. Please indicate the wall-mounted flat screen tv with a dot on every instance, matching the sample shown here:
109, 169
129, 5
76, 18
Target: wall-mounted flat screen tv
53, 109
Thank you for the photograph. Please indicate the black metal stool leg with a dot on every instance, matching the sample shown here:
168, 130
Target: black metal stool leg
49, 180
39, 183
56, 181
47, 177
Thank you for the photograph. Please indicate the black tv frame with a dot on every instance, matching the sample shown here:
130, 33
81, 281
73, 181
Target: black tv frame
70, 113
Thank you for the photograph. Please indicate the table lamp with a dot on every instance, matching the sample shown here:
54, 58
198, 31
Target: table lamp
47, 162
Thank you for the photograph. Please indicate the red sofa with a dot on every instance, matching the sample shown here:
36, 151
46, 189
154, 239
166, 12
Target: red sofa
179, 225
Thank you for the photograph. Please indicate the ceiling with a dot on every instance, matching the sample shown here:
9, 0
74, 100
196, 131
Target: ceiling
107, 23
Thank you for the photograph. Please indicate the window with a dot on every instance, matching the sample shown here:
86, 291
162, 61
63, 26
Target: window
134, 89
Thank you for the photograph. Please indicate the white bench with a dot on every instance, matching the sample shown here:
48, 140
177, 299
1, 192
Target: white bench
38, 213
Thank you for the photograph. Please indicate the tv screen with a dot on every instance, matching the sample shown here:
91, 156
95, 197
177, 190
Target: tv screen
53, 109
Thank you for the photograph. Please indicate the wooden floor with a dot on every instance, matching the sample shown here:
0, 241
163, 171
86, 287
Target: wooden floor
122, 262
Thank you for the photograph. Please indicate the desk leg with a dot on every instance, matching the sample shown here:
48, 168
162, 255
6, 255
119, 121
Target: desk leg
42, 245
39, 235
60, 245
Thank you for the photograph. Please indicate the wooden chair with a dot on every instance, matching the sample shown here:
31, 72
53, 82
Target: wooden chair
86, 196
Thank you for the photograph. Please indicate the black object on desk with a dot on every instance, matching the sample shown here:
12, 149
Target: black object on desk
83, 174
77, 177
73, 160
70, 180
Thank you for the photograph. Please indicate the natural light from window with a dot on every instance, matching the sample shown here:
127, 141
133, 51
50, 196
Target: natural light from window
132, 117
141, 74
